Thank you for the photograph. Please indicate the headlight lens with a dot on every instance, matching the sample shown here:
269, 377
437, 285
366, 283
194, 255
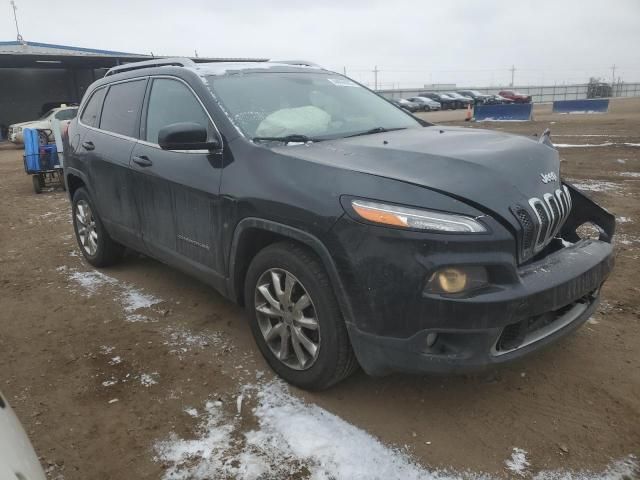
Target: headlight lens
419, 219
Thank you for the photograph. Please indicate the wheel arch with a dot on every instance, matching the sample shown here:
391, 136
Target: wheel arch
253, 234
75, 179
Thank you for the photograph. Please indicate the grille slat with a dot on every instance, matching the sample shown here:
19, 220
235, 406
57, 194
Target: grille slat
550, 213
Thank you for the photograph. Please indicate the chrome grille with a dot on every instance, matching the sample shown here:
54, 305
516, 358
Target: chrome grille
550, 214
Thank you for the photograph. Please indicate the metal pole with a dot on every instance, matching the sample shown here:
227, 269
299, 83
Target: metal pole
513, 72
15, 18
375, 77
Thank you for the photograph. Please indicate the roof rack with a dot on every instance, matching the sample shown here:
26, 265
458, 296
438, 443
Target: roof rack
301, 63
158, 62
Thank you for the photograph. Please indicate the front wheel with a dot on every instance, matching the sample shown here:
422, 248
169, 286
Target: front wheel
94, 241
295, 318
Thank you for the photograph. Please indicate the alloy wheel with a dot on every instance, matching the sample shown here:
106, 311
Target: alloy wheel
86, 227
287, 319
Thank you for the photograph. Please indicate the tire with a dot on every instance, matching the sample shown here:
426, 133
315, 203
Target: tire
334, 359
99, 249
37, 183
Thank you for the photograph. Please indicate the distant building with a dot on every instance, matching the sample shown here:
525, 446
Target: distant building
34, 75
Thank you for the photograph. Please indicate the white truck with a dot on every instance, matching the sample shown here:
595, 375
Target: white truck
64, 114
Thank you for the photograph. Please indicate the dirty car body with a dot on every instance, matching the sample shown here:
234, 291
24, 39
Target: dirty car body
448, 249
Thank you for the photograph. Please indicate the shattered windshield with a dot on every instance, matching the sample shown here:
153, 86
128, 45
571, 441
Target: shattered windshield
319, 105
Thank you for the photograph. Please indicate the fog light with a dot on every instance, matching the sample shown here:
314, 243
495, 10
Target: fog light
452, 280
457, 279
431, 339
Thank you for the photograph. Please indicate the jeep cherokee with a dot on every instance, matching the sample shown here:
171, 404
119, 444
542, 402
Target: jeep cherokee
353, 232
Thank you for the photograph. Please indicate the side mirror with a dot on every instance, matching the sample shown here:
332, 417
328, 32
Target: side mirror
185, 136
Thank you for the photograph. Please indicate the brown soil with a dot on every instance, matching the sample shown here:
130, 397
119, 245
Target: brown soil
573, 406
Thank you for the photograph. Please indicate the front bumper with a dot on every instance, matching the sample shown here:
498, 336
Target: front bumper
540, 303
15, 136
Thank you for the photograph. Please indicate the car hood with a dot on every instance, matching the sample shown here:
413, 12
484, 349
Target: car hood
31, 124
487, 169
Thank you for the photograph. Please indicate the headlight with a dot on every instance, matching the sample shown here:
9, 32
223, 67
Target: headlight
419, 219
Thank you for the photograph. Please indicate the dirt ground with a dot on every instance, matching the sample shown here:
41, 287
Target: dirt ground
99, 369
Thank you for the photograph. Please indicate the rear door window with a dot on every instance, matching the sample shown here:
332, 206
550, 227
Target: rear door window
122, 107
91, 112
170, 102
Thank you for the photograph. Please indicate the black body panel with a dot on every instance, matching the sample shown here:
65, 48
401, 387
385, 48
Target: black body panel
205, 211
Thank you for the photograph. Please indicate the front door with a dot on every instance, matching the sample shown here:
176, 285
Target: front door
177, 192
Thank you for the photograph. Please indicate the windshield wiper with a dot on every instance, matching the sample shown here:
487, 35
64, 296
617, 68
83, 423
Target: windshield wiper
375, 130
293, 138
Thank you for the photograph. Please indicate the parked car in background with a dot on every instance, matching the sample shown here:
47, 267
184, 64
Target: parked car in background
62, 113
426, 104
353, 232
478, 98
407, 105
18, 460
498, 100
445, 101
517, 97
461, 100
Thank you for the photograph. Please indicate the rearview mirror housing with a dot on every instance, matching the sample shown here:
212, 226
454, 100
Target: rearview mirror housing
185, 136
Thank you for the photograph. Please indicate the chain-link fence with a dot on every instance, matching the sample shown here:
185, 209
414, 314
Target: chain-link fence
539, 93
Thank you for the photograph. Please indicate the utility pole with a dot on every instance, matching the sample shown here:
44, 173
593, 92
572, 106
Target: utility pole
613, 74
344, 71
513, 73
375, 77
15, 18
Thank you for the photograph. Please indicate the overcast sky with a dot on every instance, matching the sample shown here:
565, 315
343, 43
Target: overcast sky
412, 42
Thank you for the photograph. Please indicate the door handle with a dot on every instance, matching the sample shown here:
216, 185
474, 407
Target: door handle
143, 161
88, 145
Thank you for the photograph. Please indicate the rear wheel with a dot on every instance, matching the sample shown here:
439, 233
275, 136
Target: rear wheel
295, 317
94, 241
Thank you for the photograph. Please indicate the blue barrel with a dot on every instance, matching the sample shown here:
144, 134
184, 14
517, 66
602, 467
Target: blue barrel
31, 150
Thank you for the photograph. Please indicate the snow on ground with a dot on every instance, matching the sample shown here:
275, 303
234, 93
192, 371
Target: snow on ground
588, 145
294, 439
148, 379
518, 462
132, 299
624, 219
596, 185
630, 174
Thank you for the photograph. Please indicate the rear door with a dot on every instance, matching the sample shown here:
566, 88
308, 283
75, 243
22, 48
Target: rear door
178, 191
108, 148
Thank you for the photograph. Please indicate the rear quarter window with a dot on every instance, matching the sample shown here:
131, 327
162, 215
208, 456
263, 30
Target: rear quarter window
121, 110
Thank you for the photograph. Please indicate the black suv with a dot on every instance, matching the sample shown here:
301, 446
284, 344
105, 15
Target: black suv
353, 232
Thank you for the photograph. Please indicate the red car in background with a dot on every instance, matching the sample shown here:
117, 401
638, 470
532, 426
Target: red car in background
517, 97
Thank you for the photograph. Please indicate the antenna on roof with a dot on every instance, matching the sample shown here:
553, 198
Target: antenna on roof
15, 18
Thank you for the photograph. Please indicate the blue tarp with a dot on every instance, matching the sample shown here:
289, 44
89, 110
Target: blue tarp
514, 111
599, 105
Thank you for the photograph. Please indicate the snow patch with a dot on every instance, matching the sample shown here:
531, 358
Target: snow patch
148, 379
295, 439
588, 145
630, 174
131, 298
518, 462
597, 186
